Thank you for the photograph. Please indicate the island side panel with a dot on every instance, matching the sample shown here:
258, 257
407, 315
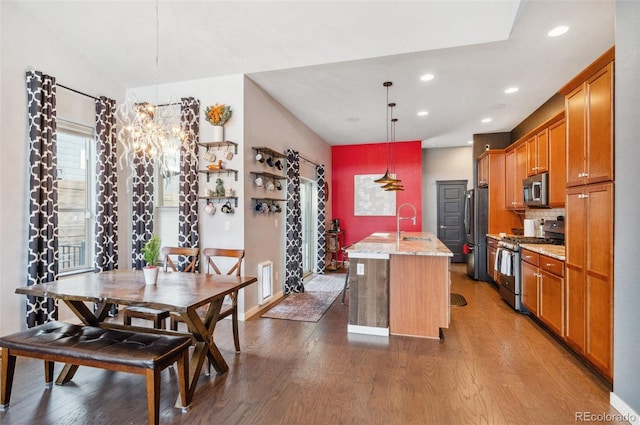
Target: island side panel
419, 299
368, 292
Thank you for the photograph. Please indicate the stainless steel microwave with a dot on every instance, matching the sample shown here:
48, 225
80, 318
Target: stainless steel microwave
535, 191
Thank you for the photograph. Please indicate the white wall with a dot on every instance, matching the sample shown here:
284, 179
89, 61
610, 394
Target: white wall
442, 164
257, 120
23, 47
626, 343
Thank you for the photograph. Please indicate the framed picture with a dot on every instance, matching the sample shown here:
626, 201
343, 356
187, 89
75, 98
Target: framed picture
370, 199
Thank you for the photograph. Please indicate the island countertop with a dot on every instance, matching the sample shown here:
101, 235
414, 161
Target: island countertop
410, 243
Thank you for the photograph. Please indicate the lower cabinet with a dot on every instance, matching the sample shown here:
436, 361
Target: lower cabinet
530, 280
543, 289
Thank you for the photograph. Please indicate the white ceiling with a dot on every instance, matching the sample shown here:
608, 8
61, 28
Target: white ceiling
326, 61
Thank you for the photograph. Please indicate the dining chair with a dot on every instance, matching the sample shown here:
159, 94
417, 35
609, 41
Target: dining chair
158, 316
212, 255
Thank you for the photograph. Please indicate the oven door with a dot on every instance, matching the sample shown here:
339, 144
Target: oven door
509, 277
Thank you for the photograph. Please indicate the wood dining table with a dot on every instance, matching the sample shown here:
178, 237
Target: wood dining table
181, 293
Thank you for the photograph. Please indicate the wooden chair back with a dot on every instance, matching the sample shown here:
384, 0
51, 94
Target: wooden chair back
211, 253
191, 254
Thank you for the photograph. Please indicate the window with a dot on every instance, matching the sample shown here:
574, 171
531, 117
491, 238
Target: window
75, 145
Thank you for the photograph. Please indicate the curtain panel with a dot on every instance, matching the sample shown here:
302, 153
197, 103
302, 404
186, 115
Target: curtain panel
106, 227
142, 202
188, 236
42, 263
321, 223
293, 255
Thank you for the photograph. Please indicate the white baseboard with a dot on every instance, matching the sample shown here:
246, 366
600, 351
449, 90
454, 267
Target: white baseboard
258, 308
627, 413
368, 330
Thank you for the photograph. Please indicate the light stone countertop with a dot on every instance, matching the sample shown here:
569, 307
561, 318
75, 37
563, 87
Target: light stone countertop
553, 251
410, 243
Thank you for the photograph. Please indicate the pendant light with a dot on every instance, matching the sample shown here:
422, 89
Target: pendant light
387, 178
396, 185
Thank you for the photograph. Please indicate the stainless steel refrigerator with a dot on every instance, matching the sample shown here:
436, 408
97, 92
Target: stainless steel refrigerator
475, 224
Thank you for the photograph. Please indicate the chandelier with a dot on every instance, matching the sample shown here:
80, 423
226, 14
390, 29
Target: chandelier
388, 180
151, 133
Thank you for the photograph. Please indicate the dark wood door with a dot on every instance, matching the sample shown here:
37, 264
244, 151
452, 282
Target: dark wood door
451, 195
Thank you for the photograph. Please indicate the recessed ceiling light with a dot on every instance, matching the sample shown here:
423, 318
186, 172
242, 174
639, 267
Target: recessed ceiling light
485, 120
470, 142
427, 77
511, 90
423, 113
559, 30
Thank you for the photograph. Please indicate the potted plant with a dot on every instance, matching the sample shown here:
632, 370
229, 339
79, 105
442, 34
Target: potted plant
218, 115
151, 253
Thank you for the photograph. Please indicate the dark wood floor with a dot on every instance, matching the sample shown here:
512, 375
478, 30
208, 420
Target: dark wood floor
493, 367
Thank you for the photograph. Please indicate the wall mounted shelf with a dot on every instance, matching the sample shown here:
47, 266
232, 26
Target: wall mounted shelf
268, 175
220, 145
269, 199
220, 199
227, 171
269, 151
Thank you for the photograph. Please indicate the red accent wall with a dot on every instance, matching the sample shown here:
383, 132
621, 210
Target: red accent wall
350, 160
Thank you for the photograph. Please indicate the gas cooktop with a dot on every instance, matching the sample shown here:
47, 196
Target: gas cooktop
532, 240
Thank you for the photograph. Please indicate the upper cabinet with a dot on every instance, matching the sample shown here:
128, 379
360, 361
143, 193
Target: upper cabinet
516, 171
557, 163
537, 153
483, 171
589, 114
492, 162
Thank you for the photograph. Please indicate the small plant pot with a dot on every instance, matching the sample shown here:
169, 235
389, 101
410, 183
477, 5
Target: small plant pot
150, 275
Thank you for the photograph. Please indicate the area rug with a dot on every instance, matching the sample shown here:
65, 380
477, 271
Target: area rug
458, 300
309, 306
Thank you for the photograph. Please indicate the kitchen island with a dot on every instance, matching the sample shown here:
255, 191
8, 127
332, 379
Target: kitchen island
399, 286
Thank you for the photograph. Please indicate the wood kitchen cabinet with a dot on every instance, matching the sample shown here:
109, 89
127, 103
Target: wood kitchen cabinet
557, 163
537, 153
483, 171
589, 115
530, 280
551, 304
543, 289
515, 172
589, 273
500, 218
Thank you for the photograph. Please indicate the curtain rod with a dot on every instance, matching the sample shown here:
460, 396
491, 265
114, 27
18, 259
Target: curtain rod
77, 91
308, 160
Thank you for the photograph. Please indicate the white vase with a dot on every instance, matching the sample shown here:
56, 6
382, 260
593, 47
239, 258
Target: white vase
218, 133
150, 275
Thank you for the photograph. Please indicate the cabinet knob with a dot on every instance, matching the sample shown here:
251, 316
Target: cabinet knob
549, 265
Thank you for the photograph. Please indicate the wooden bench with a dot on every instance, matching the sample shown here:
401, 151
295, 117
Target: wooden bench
118, 350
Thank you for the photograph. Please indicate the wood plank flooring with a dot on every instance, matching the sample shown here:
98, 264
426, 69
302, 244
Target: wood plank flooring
493, 367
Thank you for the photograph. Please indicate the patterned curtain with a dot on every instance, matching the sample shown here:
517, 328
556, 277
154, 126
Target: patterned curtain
293, 256
188, 236
43, 193
142, 200
321, 219
107, 184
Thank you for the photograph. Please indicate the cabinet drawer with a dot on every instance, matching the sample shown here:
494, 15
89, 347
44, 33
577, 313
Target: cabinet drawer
552, 265
530, 257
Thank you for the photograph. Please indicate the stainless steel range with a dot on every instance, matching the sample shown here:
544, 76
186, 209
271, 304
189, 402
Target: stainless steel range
507, 263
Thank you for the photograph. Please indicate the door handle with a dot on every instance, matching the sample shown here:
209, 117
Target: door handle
443, 227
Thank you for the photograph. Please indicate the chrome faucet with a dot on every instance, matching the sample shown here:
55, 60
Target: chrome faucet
398, 217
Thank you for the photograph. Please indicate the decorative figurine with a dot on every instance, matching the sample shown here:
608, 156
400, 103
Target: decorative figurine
219, 187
